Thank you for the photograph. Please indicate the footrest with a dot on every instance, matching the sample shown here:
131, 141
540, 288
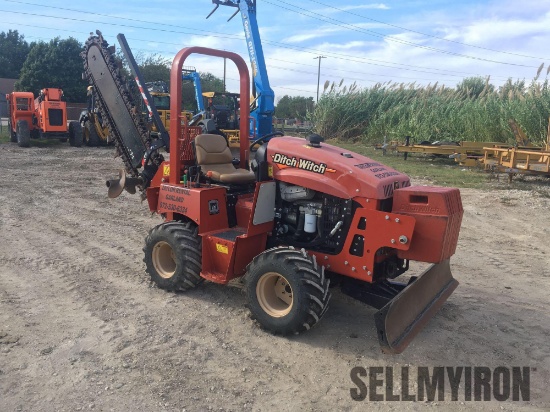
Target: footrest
230, 234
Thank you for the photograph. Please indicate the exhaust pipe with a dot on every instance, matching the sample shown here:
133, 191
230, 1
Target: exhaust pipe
116, 186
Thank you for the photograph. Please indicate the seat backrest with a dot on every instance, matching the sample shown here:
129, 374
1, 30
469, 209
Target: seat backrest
212, 149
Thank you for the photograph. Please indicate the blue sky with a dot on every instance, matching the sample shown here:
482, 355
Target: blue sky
364, 42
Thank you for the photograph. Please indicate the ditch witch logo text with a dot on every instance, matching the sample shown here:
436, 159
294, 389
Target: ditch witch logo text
283, 161
460, 382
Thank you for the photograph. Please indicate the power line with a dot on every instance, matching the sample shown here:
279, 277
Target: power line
115, 17
392, 65
352, 27
331, 54
232, 36
221, 35
275, 87
426, 34
272, 66
278, 67
291, 88
214, 72
374, 74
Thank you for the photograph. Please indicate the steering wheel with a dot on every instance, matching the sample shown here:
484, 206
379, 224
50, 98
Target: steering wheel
263, 139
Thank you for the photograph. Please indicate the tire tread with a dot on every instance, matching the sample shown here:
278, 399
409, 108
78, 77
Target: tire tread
311, 280
184, 238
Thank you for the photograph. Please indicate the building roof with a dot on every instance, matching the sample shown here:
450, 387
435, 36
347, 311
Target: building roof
6, 85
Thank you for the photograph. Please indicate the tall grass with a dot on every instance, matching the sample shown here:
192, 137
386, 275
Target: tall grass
474, 110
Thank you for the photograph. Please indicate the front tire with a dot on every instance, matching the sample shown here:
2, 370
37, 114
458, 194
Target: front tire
23, 134
173, 256
92, 138
287, 292
75, 134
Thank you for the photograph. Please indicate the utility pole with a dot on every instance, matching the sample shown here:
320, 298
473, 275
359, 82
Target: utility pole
224, 69
319, 73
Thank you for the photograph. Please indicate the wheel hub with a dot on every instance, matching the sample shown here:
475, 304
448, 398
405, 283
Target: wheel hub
164, 259
274, 294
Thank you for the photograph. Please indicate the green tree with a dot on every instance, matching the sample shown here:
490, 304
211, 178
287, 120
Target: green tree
13, 53
54, 64
294, 107
157, 68
154, 68
209, 83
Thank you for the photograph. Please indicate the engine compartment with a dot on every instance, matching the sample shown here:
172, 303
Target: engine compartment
311, 219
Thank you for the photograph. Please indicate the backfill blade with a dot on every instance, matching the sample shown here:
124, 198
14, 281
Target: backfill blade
399, 321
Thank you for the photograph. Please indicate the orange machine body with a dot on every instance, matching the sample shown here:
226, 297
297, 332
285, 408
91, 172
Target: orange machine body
20, 107
46, 115
423, 225
51, 112
355, 219
385, 216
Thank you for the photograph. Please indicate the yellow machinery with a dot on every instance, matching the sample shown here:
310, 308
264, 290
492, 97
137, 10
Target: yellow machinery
94, 133
466, 153
225, 118
494, 156
519, 160
161, 99
492, 151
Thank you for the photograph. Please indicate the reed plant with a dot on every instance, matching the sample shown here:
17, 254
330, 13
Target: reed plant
474, 110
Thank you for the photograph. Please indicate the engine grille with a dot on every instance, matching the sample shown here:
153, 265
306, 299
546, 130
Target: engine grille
55, 117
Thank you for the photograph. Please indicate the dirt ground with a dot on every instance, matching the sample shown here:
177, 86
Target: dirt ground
82, 328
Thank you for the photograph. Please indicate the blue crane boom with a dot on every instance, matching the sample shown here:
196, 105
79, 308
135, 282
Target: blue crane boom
264, 98
194, 76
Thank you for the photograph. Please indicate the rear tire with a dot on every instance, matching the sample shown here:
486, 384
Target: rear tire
23, 134
13, 135
75, 134
173, 256
92, 138
287, 292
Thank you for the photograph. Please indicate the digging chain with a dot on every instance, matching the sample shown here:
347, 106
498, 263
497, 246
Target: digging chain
110, 62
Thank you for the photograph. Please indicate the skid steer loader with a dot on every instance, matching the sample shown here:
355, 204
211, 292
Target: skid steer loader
44, 117
293, 216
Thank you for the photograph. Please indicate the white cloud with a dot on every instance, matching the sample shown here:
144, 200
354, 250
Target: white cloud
496, 30
340, 9
329, 30
299, 38
354, 44
378, 6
